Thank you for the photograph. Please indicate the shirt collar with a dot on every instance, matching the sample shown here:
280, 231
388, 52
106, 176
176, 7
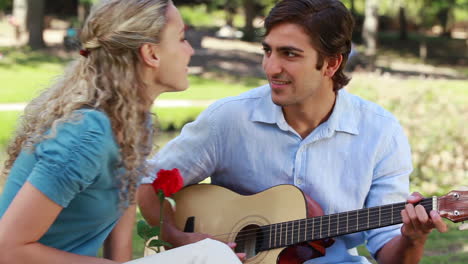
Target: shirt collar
265, 110
344, 117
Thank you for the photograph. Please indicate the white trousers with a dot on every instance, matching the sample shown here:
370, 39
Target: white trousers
207, 251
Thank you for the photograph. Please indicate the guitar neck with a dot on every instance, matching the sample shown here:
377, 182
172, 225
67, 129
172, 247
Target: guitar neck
316, 228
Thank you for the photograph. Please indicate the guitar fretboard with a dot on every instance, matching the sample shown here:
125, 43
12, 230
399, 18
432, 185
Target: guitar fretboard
316, 228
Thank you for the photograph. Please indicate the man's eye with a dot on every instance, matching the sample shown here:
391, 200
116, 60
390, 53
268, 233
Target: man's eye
290, 54
266, 50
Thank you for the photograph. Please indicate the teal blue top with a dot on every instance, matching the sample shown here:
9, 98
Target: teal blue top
76, 169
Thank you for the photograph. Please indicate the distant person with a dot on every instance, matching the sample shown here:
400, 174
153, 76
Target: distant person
71, 40
74, 165
355, 60
303, 129
16, 27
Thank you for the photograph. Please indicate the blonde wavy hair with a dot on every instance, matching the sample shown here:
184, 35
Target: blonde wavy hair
107, 79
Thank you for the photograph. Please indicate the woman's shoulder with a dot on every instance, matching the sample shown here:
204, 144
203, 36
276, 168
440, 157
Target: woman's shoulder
91, 119
87, 131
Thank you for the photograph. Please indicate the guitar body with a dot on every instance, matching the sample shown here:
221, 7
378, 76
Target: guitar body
217, 210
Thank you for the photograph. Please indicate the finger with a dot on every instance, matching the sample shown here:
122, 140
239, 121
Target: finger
409, 208
415, 197
242, 256
407, 226
232, 245
423, 219
421, 214
438, 222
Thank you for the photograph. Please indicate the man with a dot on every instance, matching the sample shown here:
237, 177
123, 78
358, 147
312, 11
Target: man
303, 129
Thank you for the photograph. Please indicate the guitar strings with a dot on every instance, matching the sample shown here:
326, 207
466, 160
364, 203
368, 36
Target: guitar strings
245, 235
303, 223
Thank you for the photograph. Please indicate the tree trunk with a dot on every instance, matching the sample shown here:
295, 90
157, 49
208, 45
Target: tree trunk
444, 16
83, 12
369, 32
249, 9
35, 23
352, 9
230, 10
403, 23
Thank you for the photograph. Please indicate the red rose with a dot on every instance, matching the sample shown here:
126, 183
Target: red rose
169, 181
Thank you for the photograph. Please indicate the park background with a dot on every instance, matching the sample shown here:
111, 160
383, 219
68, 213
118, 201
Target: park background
412, 58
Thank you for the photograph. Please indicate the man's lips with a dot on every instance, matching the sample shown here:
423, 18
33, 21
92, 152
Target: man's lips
278, 84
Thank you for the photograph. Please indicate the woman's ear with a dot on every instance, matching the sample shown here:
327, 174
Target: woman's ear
149, 55
332, 65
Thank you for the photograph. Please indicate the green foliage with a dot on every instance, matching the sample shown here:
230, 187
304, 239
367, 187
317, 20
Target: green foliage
446, 248
426, 13
173, 119
7, 127
6, 4
158, 243
146, 231
196, 16
88, 2
433, 114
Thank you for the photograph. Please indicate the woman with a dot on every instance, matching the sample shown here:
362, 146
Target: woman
75, 162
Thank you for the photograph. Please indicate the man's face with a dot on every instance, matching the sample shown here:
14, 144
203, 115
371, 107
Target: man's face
289, 63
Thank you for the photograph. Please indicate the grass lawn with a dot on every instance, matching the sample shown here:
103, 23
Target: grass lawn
446, 248
25, 73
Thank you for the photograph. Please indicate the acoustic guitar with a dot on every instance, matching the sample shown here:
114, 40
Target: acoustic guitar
280, 224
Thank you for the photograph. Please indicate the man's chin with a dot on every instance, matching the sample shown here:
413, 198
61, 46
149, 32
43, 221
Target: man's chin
278, 101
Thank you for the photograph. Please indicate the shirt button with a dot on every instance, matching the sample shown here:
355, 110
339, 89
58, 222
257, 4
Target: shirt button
299, 181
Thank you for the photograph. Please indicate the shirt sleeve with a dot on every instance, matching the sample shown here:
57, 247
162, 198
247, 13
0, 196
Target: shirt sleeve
71, 160
193, 152
390, 184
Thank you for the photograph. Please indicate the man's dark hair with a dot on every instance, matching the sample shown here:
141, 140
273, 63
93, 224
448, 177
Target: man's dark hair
327, 22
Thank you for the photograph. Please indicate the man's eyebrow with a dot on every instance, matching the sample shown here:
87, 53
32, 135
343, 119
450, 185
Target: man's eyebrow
283, 48
289, 48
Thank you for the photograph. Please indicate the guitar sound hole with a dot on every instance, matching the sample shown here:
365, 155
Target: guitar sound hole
249, 240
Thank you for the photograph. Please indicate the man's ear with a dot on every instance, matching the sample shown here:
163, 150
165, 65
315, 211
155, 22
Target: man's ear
332, 65
149, 55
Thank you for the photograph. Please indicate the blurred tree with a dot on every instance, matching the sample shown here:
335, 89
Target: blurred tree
402, 20
425, 14
4, 5
370, 30
84, 6
231, 9
35, 23
249, 12
444, 12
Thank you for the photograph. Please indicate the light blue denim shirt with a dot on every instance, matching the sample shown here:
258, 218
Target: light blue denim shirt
358, 158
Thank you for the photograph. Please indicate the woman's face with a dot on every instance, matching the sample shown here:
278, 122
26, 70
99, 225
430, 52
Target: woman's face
174, 53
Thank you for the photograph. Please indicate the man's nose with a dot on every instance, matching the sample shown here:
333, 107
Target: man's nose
271, 65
